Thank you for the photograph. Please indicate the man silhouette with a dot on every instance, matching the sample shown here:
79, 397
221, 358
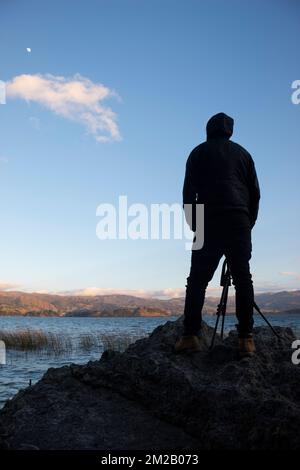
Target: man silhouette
221, 175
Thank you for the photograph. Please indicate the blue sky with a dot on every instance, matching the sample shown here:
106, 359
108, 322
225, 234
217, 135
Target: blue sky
168, 66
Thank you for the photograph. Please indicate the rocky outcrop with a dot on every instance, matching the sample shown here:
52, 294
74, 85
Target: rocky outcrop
150, 398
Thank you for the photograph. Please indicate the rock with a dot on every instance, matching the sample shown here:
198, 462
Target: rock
150, 398
25, 446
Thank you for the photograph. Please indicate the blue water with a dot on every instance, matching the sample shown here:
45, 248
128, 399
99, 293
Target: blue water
21, 367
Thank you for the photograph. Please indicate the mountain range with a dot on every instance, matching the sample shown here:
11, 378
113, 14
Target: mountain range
37, 304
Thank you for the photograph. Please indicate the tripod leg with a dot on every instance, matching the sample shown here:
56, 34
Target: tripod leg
266, 320
222, 326
215, 332
224, 309
221, 311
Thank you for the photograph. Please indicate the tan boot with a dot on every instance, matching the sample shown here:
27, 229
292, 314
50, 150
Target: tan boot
187, 343
246, 347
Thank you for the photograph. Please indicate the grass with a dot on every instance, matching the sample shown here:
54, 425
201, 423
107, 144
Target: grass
35, 340
39, 341
118, 342
88, 342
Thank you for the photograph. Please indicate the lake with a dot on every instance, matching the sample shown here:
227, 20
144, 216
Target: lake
21, 367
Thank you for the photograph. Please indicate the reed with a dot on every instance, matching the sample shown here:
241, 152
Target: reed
118, 342
39, 341
35, 340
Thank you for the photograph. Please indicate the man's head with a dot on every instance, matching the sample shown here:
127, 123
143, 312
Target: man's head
219, 125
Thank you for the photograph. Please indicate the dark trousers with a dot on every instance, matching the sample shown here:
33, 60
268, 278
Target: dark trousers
228, 235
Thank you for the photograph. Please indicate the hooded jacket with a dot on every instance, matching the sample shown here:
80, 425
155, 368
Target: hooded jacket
221, 174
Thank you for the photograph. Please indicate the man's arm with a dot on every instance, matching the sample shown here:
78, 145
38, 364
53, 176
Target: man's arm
189, 197
254, 192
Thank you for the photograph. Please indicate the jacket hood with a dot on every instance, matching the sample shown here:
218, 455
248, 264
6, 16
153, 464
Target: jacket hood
219, 125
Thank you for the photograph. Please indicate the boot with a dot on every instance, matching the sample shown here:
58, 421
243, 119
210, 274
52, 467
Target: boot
246, 347
187, 343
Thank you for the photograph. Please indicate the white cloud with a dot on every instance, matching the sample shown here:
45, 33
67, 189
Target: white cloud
6, 286
168, 293
161, 293
291, 274
91, 291
76, 98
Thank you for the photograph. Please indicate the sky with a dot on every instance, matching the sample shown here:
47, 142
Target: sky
108, 98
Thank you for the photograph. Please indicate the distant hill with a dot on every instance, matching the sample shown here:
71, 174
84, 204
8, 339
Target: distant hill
34, 304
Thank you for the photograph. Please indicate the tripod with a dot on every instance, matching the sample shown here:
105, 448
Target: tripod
225, 282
